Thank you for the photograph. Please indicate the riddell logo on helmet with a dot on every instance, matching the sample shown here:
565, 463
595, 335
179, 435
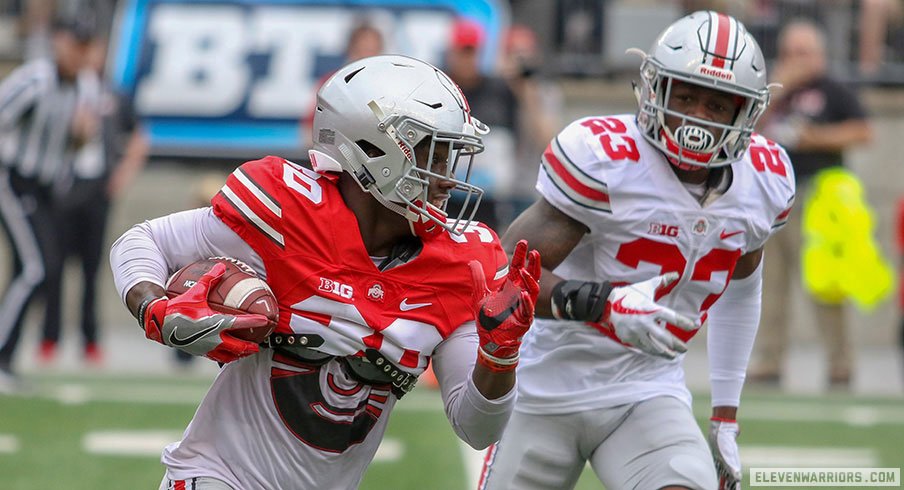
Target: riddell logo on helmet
716, 73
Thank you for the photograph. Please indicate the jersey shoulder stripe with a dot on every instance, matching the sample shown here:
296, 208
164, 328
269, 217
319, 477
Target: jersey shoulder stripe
573, 182
782, 218
246, 193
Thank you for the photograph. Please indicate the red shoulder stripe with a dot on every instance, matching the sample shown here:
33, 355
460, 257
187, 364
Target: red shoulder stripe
573, 182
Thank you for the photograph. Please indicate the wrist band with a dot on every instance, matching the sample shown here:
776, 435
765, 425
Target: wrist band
496, 364
579, 300
142, 309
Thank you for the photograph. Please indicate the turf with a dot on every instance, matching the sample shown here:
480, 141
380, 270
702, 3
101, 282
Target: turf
51, 424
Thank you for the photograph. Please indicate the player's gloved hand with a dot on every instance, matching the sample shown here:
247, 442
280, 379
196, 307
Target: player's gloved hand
637, 320
187, 322
503, 316
723, 435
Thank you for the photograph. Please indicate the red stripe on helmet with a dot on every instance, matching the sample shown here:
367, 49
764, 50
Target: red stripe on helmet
723, 34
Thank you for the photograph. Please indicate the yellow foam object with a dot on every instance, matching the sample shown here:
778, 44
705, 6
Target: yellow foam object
840, 258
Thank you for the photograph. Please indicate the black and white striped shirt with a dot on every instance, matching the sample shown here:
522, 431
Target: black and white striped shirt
36, 110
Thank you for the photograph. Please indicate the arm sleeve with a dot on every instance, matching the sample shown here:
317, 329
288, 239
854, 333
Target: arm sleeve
475, 419
152, 250
733, 322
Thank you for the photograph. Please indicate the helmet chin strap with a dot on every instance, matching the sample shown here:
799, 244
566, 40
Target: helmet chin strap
427, 226
422, 225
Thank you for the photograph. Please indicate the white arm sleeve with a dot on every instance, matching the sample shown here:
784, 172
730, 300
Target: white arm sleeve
475, 419
152, 250
733, 322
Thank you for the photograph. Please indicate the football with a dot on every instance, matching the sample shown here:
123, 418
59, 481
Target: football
239, 291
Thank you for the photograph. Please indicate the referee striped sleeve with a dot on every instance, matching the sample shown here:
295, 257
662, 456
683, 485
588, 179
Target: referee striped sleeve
20, 90
579, 187
255, 204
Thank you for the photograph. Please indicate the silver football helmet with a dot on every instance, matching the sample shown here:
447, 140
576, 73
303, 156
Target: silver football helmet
370, 116
712, 50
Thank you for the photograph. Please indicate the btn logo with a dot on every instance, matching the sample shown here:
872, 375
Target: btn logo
227, 58
337, 288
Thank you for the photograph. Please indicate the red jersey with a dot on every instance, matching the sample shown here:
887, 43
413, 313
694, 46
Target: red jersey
328, 285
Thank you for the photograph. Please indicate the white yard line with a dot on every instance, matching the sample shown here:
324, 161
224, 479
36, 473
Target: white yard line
473, 460
808, 457
129, 442
390, 451
854, 414
8, 443
150, 443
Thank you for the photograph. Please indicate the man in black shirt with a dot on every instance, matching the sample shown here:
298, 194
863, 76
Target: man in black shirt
816, 119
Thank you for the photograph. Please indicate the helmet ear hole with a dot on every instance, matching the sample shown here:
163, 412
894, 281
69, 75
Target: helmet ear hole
370, 149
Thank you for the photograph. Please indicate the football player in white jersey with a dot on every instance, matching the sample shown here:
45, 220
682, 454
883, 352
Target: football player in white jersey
372, 283
651, 225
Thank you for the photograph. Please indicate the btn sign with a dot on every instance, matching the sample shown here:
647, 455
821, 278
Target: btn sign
229, 79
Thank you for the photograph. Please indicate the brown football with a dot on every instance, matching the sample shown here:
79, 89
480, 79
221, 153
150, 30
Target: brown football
238, 291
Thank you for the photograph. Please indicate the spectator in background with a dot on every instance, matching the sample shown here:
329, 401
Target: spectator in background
493, 102
364, 40
816, 119
102, 169
40, 128
36, 26
541, 104
876, 18
520, 105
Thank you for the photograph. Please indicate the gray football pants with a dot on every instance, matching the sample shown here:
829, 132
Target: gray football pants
644, 446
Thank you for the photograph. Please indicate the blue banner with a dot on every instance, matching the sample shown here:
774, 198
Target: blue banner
234, 78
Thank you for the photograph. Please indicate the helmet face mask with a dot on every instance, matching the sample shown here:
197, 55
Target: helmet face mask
383, 120
441, 160
715, 52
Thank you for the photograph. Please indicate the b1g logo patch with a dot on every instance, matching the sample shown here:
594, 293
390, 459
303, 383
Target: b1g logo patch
662, 229
336, 287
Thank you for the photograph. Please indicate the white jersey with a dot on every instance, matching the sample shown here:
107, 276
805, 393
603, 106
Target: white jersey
643, 222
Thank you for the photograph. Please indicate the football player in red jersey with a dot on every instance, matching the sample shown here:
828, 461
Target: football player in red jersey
650, 224
373, 281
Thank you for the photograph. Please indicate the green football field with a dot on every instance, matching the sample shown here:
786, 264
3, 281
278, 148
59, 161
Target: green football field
104, 431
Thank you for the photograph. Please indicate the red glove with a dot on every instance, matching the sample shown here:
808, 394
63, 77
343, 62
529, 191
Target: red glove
187, 322
505, 315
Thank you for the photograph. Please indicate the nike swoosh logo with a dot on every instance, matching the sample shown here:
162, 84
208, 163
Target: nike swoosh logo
406, 306
725, 235
176, 341
621, 309
490, 322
